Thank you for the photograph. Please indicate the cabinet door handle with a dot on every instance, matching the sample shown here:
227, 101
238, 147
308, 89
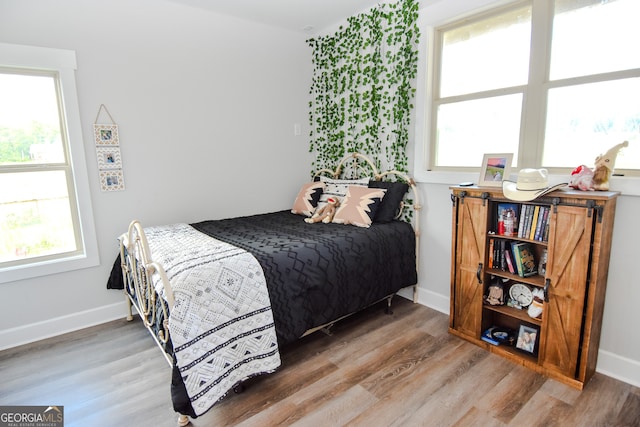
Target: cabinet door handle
478, 273
547, 282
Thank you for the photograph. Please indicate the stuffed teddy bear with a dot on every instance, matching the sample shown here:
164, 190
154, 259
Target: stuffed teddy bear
325, 213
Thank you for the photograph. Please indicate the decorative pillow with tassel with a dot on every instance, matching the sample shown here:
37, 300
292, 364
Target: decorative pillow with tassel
359, 206
307, 199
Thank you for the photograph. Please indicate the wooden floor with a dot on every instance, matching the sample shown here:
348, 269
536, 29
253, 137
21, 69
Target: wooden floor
375, 370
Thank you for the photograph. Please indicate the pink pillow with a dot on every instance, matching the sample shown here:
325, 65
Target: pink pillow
307, 199
359, 206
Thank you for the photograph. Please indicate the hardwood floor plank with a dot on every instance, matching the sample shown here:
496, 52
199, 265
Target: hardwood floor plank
542, 410
600, 402
475, 417
463, 392
400, 400
560, 391
339, 412
512, 393
266, 391
628, 415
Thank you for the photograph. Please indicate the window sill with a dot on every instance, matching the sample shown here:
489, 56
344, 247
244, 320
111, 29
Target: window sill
48, 267
627, 186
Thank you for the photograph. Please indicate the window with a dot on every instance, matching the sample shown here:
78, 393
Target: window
555, 82
45, 212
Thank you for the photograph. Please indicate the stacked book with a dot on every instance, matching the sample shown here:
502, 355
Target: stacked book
534, 222
512, 256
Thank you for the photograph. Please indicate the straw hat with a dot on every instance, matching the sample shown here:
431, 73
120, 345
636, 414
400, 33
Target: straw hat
532, 183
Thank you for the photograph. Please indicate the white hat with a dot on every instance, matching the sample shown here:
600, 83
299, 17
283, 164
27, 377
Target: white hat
532, 183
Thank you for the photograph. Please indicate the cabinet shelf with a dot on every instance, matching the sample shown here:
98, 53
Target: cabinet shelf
520, 314
577, 229
535, 280
515, 354
493, 235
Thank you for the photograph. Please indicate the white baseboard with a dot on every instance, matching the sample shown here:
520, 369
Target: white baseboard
61, 325
619, 367
433, 300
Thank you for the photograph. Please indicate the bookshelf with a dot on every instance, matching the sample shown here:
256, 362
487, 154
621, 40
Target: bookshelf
572, 230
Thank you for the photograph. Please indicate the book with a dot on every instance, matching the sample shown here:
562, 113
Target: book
544, 229
534, 222
510, 263
527, 221
523, 220
525, 259
545, 236
491, 243
536, 236
516, 259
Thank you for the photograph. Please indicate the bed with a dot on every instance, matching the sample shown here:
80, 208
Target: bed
221, 297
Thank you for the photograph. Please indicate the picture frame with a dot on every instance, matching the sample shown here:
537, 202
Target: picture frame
495, 168
109, 158
106, 134
112, 180
527, 339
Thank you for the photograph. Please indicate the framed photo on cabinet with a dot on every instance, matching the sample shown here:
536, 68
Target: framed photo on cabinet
527, 339
495, 168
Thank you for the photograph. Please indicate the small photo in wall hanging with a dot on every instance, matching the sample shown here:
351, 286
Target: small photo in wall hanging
108, 153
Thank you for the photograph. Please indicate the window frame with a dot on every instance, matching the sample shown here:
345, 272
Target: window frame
534, 102
63, 64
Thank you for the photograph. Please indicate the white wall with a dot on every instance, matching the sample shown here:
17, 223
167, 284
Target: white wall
206, 107
619, 354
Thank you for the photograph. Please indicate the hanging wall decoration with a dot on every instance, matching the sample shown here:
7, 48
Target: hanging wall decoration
363, 85
108, 153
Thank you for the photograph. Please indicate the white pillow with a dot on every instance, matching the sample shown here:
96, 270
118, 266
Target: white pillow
338, 188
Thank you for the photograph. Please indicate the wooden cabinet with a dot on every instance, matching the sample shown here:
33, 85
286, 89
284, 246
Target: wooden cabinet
575, 240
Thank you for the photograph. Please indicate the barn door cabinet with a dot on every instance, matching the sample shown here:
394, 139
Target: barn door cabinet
575, 240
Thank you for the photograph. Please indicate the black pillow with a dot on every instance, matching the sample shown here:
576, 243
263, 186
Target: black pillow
391, 201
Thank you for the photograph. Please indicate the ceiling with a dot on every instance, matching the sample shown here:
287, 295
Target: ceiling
305, 16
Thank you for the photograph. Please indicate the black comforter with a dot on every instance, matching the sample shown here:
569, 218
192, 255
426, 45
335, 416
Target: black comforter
317, 273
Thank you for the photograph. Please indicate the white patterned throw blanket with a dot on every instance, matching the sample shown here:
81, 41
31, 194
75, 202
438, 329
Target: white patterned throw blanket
221, 324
